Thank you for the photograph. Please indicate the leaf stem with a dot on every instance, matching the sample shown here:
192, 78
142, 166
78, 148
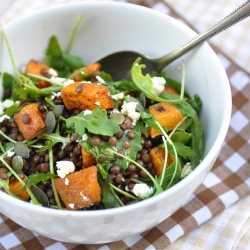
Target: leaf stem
157, 186
122, 192
32, 196
8, 48
51, 164
7, 137
73, 34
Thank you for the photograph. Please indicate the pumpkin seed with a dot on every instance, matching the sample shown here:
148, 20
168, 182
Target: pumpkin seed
21, 149
139, 106
117, 117
50, 121
40, 195
17, 163
58, 109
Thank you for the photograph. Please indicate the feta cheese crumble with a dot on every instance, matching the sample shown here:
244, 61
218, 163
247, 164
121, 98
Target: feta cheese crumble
71, 205
54, 95
52, 72
64, 168
65, 81
128, 108
85, 137
4, 117
118, 96
186, 170
97, 103
99, 79
158, 84
87, 112
7, 103
10, 153
66, 181
142, 190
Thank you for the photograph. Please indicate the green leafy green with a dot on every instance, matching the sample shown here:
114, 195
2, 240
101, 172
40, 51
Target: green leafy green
63, 62
36, 178
108, 196
96, 123
9, 83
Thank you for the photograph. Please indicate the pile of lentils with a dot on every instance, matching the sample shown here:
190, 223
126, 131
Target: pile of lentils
39, 161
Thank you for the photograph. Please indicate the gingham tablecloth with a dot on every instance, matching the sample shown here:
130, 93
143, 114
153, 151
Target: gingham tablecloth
217, 216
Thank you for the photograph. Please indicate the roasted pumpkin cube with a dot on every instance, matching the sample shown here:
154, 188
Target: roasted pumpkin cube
86, 96
171, 90
88, 69
17, 189
80, 190
38, 68
157, 157
29, 121
88, 159
166, 114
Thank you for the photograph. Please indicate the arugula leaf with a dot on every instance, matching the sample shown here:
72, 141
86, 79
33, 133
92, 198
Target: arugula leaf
168, 175
131, 152
32, 91
34, 179
13, 109
73, 62
96, 123
182, 150
196, 103
181, 136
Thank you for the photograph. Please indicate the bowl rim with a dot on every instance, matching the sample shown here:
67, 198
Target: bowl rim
212, 153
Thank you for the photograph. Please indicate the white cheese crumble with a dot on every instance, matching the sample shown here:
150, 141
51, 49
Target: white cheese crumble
87, 112
64, 168
65, 81
97, 103
71, 205
128, 108
7, 103
158, 84
66, 181
142, 190
186, 170
118, 96
10, 153
85, 137
4, 117
99, 79
54, 95
52, 72
86, 198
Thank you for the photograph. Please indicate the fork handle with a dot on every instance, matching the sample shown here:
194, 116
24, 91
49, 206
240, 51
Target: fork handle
236, 16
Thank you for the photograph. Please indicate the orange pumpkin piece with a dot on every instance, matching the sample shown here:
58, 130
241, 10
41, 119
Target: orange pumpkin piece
171, 90
88, 159
82, 191
89, 69
38, 68
16, 188
29, 121
157, 157
86, 96
166, 114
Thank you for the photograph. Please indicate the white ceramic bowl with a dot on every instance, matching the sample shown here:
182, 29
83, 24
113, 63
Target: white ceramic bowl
109, 27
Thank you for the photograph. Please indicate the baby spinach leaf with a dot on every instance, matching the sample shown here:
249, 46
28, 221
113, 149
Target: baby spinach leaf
108, 197
96, 123
73, 62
